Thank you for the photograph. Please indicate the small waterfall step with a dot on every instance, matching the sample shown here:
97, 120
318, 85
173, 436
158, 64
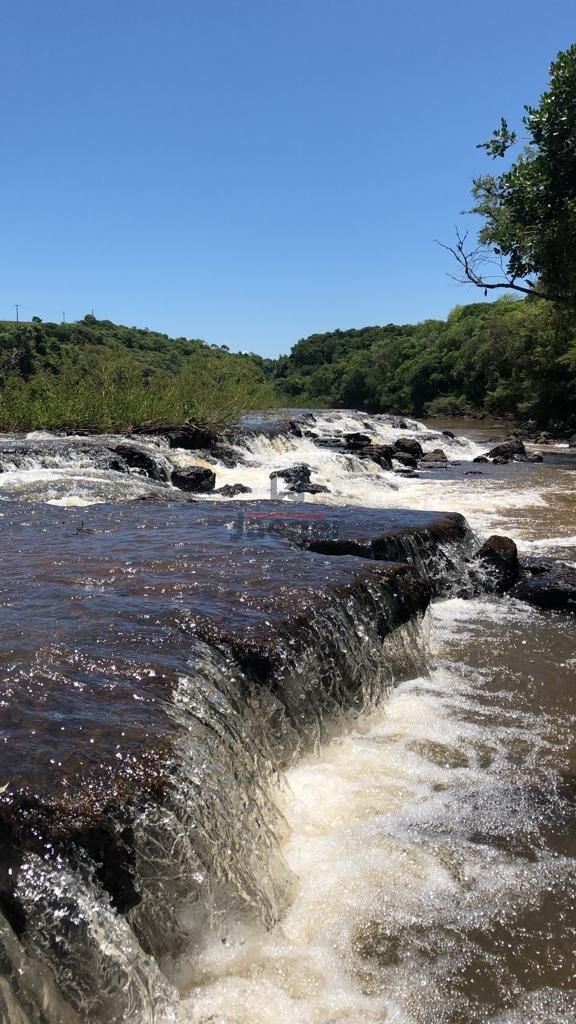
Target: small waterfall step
160, 663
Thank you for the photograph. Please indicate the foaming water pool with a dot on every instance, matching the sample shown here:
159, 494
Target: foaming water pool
433, 847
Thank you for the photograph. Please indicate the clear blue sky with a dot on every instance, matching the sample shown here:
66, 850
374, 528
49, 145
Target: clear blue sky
251, 171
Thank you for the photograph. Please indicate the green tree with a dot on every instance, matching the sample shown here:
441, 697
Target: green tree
528, 240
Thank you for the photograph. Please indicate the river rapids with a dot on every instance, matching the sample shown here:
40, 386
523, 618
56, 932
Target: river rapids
385, 833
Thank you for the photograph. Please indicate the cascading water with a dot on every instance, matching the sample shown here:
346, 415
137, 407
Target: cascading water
308, 851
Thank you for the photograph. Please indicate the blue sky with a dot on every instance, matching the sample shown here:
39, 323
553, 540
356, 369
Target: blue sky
251, 171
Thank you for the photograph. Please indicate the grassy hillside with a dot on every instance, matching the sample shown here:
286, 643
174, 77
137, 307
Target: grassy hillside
508, 357
104, 376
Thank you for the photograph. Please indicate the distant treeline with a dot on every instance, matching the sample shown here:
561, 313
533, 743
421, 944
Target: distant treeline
509, 357
97, 374
506, 358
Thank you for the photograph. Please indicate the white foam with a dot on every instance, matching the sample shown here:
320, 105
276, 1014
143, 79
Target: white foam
380, 821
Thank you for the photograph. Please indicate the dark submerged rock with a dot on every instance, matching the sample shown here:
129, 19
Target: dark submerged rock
295, 476
189, 437
548, 584
480, 458
357, 440
195, 479
405, 459
309, 488
231, 490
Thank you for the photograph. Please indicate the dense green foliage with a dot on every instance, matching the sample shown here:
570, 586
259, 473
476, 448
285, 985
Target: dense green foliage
529, 210
510, 357
100, 375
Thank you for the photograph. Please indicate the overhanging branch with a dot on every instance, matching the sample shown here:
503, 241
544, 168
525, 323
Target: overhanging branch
473, 262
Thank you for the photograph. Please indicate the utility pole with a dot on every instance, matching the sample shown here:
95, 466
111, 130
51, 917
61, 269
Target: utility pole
17, 308
63, 318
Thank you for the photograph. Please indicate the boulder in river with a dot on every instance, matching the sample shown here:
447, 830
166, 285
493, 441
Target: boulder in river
308, 488
189, 437
137, 458
507, 450
231, 490
499, 555
437, 455
295, 476
357, 440
195, 479
547, 583
405, 459
381, 454
572, 442
409, 445
480, 458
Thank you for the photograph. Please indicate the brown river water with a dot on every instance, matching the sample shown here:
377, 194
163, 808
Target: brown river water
431, 844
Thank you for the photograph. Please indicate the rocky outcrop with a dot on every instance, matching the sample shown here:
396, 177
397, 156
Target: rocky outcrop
410, 446
194, 479
188, 437
381, 454
136, 458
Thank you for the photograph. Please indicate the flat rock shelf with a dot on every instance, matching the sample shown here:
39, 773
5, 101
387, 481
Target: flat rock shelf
159, 663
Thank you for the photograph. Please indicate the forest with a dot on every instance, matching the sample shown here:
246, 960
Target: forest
512, 357
98, 375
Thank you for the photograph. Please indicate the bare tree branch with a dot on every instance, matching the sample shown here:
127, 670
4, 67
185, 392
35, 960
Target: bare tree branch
473, 262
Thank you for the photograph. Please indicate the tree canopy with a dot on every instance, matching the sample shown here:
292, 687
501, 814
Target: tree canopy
528, 239
510, 357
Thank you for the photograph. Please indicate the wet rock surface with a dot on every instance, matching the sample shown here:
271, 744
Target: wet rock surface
136, 458
547, 583
231, 490
410, 446
194, 479
103, 618
499, 557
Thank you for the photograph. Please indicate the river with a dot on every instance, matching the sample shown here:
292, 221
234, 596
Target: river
431, 843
